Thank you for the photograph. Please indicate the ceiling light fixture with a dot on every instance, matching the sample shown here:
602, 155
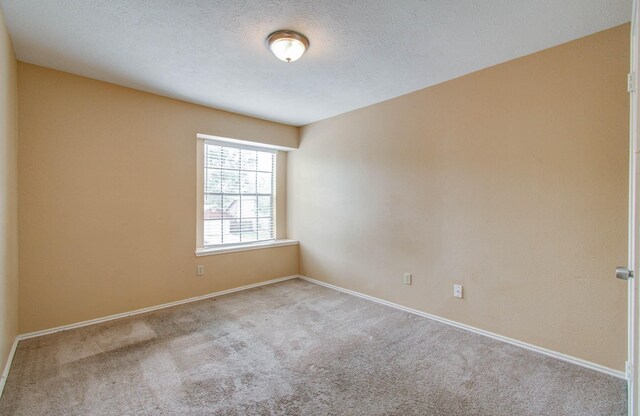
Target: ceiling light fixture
287, 45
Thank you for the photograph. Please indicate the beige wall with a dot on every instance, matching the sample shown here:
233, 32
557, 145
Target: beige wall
107, 184
8, 195
511, 181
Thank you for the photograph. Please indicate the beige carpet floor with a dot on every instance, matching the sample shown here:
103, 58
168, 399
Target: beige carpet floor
294, 348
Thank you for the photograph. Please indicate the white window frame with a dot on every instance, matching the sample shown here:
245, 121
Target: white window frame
203, 250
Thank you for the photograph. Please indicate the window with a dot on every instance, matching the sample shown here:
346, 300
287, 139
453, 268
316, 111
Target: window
239, 194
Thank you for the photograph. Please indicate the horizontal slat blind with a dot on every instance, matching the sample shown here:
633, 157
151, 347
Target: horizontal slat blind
239, 196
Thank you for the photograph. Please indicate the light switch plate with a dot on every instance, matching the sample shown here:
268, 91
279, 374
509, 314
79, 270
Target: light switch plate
407, 278
457, 291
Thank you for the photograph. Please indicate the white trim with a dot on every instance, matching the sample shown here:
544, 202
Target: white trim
7, 367
210, 251
530, 347
633, 304
243, 143
149, 309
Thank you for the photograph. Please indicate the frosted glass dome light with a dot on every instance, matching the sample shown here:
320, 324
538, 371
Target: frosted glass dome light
287, 45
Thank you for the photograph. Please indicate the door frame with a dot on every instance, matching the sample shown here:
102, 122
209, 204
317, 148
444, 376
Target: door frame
633, 355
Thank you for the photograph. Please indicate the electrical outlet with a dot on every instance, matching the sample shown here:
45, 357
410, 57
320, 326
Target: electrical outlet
200, 271
407, 279
457, 291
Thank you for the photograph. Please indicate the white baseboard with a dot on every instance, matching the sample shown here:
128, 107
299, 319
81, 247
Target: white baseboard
7, 366
149, 309
530, 347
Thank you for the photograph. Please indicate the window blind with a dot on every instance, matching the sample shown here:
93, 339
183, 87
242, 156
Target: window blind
239, 194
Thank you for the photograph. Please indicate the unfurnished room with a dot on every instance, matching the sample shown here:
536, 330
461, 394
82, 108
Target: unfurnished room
355, 207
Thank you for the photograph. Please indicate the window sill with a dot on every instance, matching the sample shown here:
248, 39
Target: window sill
211, 251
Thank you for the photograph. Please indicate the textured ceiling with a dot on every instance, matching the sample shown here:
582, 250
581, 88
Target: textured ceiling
213, 52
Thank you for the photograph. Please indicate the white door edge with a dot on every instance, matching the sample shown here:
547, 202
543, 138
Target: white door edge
633, 352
